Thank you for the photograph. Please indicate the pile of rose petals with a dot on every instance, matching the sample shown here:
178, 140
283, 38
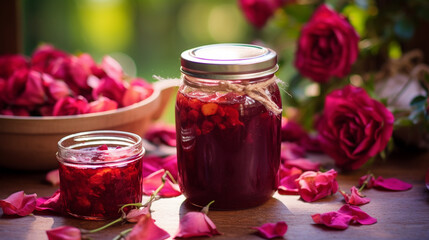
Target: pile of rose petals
54, 83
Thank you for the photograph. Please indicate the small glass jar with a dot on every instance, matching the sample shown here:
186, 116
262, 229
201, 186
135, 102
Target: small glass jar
228, 120
99, 172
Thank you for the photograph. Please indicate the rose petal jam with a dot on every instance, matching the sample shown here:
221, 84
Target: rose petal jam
96, 180
228, 143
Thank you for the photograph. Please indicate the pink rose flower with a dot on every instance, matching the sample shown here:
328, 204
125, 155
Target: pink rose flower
258, 12
19, 204
272, 230
70, 106
327, 46
313, 186
11, 63
64, 233
354, 127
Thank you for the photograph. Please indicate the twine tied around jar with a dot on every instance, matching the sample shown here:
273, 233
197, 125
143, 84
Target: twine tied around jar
255, 90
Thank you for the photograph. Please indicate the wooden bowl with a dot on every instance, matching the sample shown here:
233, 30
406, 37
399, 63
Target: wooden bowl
30, 143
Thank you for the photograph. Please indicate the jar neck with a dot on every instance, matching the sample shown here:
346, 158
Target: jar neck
201, 82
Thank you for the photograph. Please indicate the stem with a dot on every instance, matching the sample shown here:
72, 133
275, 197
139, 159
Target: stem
171, 176
122, 234
105, 226
365, 183
205, 209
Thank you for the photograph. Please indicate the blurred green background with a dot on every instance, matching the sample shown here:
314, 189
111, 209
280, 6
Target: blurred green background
152, 33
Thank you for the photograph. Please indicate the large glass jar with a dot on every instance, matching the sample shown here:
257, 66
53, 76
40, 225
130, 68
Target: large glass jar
99, 172
228, 119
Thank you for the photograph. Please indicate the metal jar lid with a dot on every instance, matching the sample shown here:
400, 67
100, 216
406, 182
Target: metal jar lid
229, 61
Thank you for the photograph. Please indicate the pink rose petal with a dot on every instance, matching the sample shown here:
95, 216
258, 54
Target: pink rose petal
355, 198
162, 134
358, 215
64, 233
196, 224
291, 151
393, 184
333, 219
147, 229
154, 180
19, 204
53, 177
272, 230
152, 164
303, 164
52, 203
134, 215
288, 185
369, 179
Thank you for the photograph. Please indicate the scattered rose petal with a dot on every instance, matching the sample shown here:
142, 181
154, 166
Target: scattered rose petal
358, 215
343, 217
288, 185
53, 177
313, 186
152, 164
333, 219
196, 224
393, 184
52, 203
303, 164
64, 233
272, 230
19, 203
355, 198
134, 215
369, 179
154, 180
146, 229
291, 151
161, 133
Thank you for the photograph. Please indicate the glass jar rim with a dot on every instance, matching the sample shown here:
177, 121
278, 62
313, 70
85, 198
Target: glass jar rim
135, 141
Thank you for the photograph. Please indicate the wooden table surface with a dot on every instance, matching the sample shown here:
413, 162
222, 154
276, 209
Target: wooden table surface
400, 215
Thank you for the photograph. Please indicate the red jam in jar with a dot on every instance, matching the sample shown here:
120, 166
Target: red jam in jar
228, 118
99, 172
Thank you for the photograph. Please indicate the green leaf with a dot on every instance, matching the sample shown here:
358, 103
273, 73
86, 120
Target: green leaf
419, 101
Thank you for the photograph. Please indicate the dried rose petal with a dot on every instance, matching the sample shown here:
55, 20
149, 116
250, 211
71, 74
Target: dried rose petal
53, 177
355, 198
393, 184
138, 91
154, 180
333, 219
19, 203
52, 203
313, 186
147, 229
102, 104
272, 230
302, 163
195, 224
358, 215
112, 68
64, 233
70, 106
